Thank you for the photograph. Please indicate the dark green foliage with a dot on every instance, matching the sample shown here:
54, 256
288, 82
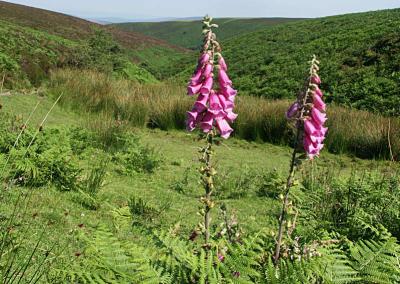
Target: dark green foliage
104, 53
168, 259
332, 266
183, 185
81, 139
187, 264
95, 179
160, 61
365, 262
26, 55
92, 182
358, 54
50, 156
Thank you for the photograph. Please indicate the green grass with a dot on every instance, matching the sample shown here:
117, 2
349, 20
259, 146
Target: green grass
164, 106
179, 151
160, 61
23, 105
188, 33
124, 109
63, 218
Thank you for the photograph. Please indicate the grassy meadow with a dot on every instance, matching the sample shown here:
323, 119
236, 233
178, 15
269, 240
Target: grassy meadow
66, 219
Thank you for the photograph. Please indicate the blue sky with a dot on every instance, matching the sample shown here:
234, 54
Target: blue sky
216, 8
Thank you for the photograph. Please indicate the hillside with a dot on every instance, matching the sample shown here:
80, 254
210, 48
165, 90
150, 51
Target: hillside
359, 54
188, 33
20, 22
70, 27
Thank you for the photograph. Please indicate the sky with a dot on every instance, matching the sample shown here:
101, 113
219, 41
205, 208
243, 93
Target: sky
147, 9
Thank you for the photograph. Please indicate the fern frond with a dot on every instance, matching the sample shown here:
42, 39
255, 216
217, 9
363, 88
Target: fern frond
377, 261
108, 260
334, 266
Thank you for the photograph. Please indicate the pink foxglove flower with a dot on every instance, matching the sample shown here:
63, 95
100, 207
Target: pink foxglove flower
213, 107
309, 110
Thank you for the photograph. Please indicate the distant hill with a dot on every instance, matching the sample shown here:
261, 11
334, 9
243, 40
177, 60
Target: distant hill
26, 31
187, 33
359, 53
116, 20
70, 27
33, 41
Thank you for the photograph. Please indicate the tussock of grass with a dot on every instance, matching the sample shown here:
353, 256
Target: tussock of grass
163, 106
155, 105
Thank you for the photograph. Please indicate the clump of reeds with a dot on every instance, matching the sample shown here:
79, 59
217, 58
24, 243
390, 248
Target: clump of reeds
360, 133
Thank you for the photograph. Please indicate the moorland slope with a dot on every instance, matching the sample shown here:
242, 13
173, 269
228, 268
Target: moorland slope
188, 33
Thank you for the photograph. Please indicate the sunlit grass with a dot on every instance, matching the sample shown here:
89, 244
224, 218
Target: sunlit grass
163, 106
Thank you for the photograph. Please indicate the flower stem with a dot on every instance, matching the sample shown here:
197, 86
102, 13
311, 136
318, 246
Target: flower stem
285, 202
208, 181
302, 98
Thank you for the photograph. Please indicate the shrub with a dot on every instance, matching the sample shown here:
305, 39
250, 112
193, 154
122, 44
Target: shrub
183, 184
80, 139
95, 178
